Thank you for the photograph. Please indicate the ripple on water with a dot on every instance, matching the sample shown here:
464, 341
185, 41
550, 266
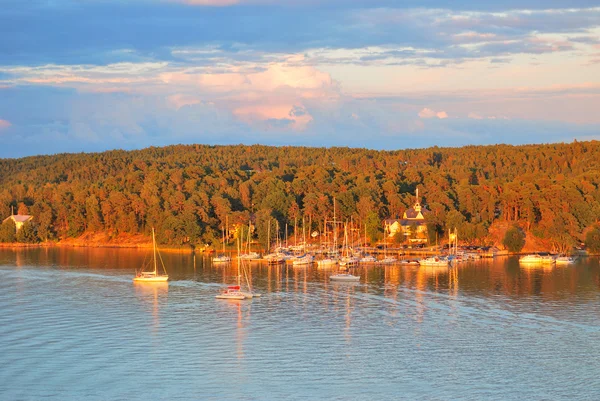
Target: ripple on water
89, 333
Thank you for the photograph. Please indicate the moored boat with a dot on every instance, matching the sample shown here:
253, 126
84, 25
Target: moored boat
368, 259
221, 259
327, 263
303, 260
349, 261
537, 259
434, 261
565, 260
153, 276
250, 256
388, 260
344, 277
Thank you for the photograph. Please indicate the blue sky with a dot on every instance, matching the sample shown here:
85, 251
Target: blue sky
92, 75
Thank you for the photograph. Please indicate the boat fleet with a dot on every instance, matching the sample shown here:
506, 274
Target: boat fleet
344, 261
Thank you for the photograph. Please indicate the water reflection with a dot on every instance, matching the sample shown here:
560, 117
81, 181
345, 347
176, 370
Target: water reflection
153, 295
399, 329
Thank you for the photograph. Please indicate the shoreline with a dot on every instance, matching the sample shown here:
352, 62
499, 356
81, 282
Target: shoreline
201, 250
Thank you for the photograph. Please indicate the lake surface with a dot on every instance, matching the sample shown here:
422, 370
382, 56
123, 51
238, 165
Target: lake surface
73, 326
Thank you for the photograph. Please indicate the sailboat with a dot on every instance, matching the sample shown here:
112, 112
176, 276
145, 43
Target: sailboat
235, 291
153, 276
222, 258
347, 261
344, 277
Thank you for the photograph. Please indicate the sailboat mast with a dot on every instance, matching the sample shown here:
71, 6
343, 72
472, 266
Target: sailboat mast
334, 228
154, 247
238, 262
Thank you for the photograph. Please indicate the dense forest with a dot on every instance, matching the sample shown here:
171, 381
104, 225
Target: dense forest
189, 193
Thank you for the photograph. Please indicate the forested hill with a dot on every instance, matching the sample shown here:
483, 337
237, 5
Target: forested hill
189, 192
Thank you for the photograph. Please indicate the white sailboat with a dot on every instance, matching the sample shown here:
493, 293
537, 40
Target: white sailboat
565, 260
434, 261
153, 276
346, 262
344, 277
249, 255
235, 291
387, 259
222, 258
537, 259
302, 260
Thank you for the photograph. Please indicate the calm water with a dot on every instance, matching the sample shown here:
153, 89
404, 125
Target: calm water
73, 326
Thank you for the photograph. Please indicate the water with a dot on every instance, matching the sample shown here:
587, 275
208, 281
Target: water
73, 326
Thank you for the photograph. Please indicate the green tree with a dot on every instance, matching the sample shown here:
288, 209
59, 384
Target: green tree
592, 240
374, 230
7, 231
27, 233
514, 239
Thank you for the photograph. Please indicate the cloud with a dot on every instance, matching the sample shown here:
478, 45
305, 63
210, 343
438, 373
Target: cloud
331, 72
65, 120
428, 113
151, 31
180, 100
4, 124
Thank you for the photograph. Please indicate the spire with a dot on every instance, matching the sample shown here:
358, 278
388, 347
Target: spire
417, 205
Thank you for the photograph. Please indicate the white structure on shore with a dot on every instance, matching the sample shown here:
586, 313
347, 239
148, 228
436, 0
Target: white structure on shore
413, 223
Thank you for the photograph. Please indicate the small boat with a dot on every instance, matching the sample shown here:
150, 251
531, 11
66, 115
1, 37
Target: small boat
565, 260
303, 260
368, 259
231, 292
223, 257
274, 258
250, 256
327, 263
235, 291
537, 259
409, 262
349, 261
434, 261
388, 260
344, 277
153, 276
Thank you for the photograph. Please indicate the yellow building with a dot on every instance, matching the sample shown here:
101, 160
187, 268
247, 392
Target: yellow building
413, 223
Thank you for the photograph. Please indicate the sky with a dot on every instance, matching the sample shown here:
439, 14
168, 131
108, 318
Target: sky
95, 75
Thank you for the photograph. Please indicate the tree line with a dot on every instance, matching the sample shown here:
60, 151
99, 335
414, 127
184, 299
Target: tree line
190, 192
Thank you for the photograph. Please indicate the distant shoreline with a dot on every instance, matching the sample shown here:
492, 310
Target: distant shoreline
188, 249
20, 245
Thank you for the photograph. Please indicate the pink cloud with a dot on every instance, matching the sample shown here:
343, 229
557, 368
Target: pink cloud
263, 113
179, 100
4, 124
428, 113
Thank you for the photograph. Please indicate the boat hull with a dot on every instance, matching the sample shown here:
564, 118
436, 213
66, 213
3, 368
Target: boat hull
155, 279
231, 296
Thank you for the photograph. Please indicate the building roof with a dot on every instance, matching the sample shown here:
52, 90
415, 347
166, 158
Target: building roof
411, 213
19, 218
407, 222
